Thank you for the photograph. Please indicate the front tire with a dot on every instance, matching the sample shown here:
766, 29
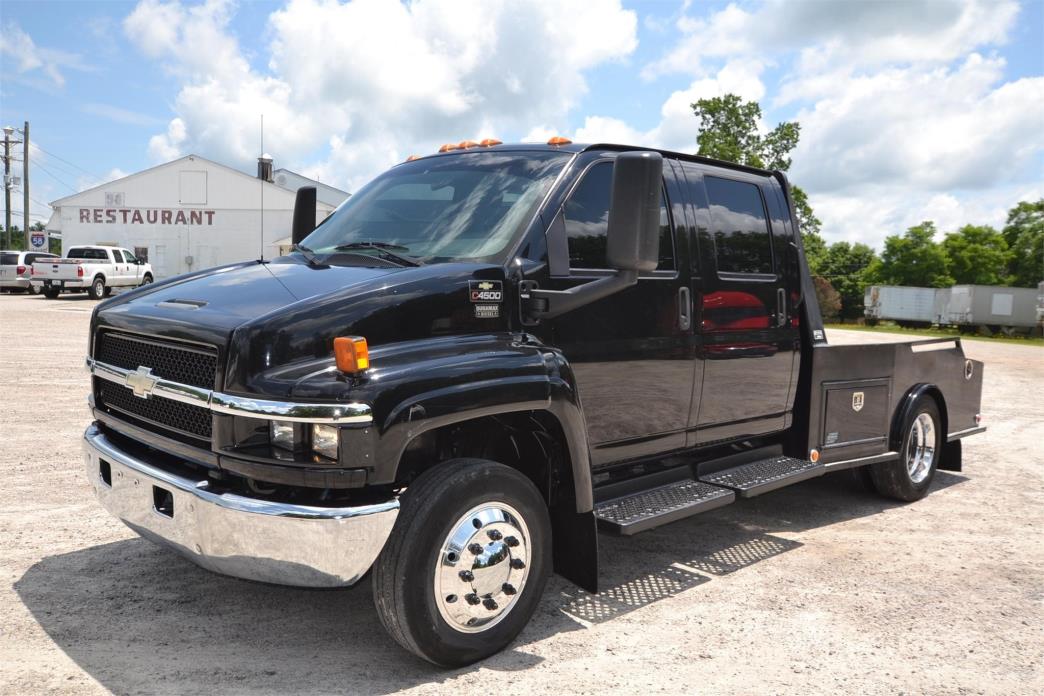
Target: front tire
31, 290
910, 476
97, 289
146, 279
466, 563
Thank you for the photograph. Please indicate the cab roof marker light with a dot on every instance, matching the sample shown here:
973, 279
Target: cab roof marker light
412, 157
465, 144
351, 354
448, 147
490, 142
558, 140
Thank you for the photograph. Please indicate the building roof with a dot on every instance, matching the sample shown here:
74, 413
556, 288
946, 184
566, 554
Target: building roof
324, 193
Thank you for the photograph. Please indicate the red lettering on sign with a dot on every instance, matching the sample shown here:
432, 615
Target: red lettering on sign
165, 217
137, 219
195, 217
110, 216
210, 217
179, 219
125, 212
85, 215
151, 216
97, 215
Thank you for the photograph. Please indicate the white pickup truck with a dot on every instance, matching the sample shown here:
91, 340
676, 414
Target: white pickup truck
96, 269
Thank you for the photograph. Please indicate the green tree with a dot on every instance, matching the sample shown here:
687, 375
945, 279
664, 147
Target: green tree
847, 267
729, 131
914, 258
1024, 234
809, 224
829, 299
977, 255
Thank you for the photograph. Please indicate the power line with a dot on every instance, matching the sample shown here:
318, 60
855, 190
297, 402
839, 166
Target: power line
61, 159
56, 178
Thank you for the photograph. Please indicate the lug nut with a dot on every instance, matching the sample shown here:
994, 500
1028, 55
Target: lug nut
467, 575
518, 563
472, 599
475, 549
508, 588
494, 535
511, 541
489, 604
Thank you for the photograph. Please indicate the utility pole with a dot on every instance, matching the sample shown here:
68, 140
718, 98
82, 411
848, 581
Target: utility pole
7, 184
25, 184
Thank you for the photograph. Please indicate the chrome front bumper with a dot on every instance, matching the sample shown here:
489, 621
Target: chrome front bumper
300, 545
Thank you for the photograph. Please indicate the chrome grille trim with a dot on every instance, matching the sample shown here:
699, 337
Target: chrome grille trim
229, 404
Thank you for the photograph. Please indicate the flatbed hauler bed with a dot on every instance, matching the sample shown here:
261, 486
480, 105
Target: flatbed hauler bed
479, 360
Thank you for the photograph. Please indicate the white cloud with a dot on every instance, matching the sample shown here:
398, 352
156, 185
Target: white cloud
375, 80
28, 58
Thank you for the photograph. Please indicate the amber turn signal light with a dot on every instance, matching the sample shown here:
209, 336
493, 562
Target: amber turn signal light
352, 354
559, 140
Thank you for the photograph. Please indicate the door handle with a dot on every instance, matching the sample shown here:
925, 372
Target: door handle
684, 309
781, 307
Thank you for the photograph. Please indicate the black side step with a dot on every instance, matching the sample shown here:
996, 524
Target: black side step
764, 475
637, 512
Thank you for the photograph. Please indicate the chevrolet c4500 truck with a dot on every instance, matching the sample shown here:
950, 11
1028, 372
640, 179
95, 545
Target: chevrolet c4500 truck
481, 359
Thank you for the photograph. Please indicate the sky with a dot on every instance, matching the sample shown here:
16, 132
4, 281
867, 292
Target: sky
909, 111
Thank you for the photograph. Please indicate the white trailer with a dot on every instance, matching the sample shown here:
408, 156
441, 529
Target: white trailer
905, 305
993, 306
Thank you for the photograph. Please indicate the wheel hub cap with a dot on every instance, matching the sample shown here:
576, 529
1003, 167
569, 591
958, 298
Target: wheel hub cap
482, 567
920, 452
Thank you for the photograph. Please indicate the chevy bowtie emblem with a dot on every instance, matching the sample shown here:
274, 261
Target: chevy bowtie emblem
142, 382
485, 286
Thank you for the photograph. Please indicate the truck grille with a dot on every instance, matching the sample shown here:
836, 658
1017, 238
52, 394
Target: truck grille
184, 363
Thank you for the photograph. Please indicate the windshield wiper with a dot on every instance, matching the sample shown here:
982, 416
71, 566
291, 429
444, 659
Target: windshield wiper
383, 250
309, 255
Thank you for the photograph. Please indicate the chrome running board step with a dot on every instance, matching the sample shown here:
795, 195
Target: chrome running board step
637, 512
764, 475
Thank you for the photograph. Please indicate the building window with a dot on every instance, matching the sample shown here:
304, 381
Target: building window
142, 254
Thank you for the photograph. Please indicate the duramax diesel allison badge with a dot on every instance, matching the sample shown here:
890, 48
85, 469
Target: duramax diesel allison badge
482, 358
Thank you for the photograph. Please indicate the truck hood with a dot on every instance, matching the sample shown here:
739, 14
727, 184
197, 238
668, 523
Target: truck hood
266, 316
207, 306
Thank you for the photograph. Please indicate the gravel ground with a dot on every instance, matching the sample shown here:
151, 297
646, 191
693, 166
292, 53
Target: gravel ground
817, 588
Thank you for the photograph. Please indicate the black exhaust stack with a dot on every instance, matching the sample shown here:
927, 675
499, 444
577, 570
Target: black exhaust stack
304, 214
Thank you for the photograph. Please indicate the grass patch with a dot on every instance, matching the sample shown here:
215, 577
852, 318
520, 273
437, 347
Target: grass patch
935, 332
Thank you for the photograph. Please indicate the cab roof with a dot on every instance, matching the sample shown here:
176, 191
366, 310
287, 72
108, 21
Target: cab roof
576, 148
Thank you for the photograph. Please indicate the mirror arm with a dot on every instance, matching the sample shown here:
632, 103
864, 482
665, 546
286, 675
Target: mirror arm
547, 304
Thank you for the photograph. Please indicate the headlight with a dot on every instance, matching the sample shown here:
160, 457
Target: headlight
281, 435
324, 440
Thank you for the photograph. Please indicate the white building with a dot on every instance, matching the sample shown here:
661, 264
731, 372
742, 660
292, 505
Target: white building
188, 214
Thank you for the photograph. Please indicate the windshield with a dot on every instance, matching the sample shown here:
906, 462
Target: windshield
469, 206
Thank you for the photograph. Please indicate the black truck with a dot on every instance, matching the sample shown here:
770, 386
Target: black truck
481, 359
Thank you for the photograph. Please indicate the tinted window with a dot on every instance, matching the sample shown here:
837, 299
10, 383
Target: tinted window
587, 221
129, 257
89, 254
739, 226
8, 259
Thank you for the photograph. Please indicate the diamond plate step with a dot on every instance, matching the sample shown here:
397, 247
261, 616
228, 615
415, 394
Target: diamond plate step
764, 475
644, 510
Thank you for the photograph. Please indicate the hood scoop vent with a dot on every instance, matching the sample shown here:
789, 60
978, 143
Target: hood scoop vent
182, 304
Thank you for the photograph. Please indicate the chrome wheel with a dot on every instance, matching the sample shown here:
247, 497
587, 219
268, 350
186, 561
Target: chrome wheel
920, 448
482, 567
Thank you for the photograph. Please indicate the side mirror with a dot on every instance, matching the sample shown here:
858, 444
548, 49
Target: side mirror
633, 237
304, 214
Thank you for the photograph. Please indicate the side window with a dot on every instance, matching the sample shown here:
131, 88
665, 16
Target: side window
739, 226
587, 221
129, 257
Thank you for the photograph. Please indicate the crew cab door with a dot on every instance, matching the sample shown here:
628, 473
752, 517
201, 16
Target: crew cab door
631, 352
132, 276
749, 337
